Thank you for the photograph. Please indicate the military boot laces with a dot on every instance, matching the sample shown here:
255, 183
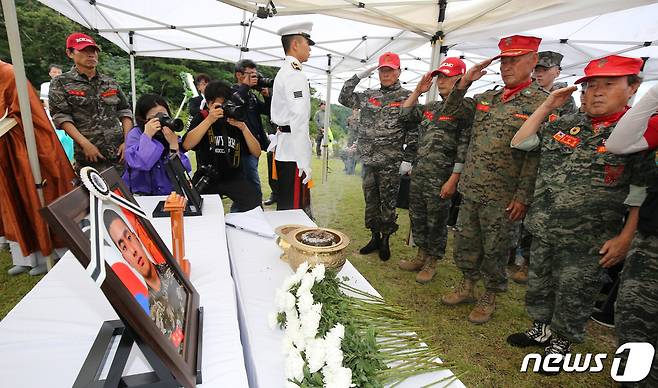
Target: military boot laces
484, 308
557, 345
538, 335
429, 270
463, 294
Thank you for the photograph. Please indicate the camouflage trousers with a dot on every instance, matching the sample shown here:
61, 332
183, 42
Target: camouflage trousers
636, 310
482, 243
564, 279
380, 190
429, 214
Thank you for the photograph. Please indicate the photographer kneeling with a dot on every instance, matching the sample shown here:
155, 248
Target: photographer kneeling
222, 143
148, 146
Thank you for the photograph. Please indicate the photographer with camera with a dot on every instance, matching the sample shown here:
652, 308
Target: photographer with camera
222, 142
248, 82
149, 145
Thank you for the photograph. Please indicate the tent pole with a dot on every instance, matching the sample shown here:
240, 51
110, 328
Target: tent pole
327, 124
244, 33
13, 35
133, 88
438, 41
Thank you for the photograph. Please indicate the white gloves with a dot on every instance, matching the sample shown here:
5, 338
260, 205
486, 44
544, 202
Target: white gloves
366, 72
405, 168
307, 171
273, 141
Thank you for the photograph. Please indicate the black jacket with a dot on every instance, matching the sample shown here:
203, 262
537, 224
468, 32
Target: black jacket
255, 108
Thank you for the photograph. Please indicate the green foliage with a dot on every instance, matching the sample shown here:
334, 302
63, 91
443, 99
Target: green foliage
119, 69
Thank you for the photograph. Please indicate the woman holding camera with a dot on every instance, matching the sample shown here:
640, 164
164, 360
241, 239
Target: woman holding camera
148, 147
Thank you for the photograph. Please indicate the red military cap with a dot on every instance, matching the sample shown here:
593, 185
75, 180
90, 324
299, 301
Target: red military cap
515, 45
612, 66
450, 67
79, 41
389, 59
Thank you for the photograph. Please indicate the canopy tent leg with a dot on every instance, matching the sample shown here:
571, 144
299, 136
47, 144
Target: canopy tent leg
13, 35
327, 124
133, 88
438, 42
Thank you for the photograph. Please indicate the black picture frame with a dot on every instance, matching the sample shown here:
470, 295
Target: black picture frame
182, 184
64, 216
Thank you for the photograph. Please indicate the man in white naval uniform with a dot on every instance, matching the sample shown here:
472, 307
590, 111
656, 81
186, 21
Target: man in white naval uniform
291, 112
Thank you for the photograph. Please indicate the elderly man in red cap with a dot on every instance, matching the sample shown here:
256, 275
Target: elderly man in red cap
497, 181
582, 195
443, 141
90, 107
380, 146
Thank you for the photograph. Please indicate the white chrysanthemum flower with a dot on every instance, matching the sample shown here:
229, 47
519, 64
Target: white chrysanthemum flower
307, 283
287, 346
272, 320
294, 366
302, 269
290, 301
333, 357
315, 354
311, 321
318, 272
335, 336
305, 302
337, 377
291, 281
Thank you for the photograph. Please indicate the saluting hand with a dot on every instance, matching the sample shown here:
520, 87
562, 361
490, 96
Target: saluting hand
474, 73
558, 97
424, 84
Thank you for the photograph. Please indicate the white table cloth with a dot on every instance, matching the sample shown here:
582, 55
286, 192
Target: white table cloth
258, 272
45, 339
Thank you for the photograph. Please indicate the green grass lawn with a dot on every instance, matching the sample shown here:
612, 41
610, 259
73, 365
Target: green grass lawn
480, 350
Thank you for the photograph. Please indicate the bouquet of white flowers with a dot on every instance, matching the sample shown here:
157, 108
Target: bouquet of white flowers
337, 336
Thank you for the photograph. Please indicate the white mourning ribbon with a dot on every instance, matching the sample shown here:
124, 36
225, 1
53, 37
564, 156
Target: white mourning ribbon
99, 191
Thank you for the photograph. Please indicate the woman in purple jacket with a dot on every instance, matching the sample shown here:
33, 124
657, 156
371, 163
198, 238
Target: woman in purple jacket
148, 147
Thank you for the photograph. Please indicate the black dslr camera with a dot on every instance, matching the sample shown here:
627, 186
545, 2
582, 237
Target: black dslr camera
206, 173
235, 107
264, 82
175, 125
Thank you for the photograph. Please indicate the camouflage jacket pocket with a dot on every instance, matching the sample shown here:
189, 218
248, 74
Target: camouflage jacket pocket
608, 170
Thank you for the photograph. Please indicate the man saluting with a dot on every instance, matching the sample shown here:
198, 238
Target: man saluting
291, 112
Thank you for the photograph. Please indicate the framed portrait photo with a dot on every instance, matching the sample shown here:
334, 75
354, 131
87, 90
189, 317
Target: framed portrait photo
111, 237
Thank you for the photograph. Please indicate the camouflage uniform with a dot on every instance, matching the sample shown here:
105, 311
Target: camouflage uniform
494, 175
94, 107
637, 302
443, 141
579, 203
167, 305
381, 137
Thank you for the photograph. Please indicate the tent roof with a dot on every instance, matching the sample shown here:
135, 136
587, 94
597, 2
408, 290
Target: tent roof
355, 33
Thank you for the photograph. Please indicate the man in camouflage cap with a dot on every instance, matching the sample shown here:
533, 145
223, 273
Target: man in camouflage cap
497, 181
90, 107
546, 71
583, 194
443, 141
382, 135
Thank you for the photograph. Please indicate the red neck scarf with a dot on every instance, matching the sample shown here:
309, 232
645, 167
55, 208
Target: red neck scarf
509, 92
607, 120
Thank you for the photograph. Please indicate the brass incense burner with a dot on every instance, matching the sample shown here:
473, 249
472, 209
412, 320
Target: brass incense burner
315, 245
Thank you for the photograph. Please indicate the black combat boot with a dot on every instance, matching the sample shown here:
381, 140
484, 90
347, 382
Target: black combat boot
372, 245
384, 250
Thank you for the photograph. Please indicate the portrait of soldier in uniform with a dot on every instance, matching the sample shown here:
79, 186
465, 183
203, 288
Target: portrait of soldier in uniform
165, 295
